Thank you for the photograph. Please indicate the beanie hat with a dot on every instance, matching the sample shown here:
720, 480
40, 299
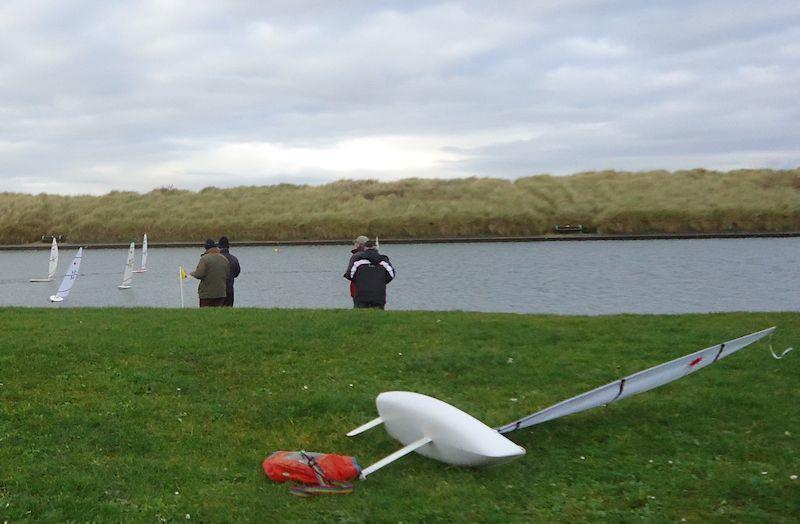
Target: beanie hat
210, 243
223, 243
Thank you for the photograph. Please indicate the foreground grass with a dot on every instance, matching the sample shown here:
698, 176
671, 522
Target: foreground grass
697, 201
147, 415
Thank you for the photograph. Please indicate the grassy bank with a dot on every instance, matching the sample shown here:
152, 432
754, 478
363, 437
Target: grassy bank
605, 202
141, 415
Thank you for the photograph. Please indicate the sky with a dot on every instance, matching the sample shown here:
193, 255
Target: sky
98, 96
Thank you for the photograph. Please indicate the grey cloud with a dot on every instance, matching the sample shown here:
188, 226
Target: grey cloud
93, 92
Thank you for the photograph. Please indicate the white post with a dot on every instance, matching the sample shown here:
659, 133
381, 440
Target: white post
180, 279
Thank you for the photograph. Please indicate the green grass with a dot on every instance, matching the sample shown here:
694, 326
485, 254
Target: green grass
145, 415
608, 202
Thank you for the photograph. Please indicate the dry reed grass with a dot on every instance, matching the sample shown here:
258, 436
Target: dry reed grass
606, 202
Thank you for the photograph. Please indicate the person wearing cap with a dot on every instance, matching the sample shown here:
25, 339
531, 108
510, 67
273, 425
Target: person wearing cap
235, 269
370, 271
358, 247
212, 271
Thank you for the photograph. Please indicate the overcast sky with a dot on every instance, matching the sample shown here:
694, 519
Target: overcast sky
102, 95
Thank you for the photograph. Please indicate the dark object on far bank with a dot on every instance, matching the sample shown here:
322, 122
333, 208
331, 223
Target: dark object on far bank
49, 238
370, 271
568, 228
235, 269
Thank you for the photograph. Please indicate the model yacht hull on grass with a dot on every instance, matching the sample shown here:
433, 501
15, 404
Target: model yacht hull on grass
443, 432
437, 430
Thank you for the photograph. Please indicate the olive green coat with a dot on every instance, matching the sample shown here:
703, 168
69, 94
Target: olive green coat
212, 270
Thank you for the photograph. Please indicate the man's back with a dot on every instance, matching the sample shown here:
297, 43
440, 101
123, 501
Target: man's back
370, 271
370, 281
213, 271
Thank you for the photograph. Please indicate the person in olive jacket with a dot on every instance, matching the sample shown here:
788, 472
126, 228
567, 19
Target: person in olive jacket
213, 271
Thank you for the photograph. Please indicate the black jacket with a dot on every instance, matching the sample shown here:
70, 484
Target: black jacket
370, 271
235, 269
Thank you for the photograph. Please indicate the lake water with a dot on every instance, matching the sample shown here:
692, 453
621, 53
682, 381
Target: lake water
591, 277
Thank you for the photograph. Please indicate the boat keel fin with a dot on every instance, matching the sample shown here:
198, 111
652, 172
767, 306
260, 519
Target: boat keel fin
400, 453
369, 425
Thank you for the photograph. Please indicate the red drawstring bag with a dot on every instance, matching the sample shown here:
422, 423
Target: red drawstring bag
298, 466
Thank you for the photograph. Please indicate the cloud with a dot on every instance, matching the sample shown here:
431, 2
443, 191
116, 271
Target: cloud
594, 48
391, 155
97, 96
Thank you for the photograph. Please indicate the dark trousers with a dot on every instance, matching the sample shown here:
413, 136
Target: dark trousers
228, 300
212, 302
359, 305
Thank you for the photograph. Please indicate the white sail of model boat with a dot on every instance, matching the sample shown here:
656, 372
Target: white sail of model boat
53, 264
144, 256
127, 276
638, 382
69, 278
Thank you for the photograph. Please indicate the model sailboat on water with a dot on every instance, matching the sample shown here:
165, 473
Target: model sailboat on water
443, 432
127, 276
53, 264
69, 279
143, 268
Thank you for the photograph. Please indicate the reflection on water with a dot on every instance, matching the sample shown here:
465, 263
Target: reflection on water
595, 277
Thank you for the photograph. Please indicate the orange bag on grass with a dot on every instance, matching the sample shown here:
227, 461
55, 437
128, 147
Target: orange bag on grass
284, 466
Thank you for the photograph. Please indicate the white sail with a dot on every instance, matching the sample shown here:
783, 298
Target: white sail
638, 382
143, 268
51, 271
69, 278
127, 277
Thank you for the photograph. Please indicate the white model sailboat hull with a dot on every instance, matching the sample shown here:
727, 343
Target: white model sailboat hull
456, 437
437, 430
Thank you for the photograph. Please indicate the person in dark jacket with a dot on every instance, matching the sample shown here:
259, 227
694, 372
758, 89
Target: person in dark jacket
212, 271
370, 271
235, 269
358, 247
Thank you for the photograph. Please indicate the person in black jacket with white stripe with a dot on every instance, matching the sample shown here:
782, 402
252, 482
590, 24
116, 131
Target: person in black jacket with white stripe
370, 271
224, 249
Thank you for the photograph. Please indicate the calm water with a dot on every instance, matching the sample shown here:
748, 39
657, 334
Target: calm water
653, 276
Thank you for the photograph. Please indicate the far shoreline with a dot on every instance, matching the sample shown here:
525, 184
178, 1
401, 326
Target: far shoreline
567, 237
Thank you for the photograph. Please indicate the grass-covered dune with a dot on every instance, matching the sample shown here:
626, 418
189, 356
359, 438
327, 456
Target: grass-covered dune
606, 202
146, 415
